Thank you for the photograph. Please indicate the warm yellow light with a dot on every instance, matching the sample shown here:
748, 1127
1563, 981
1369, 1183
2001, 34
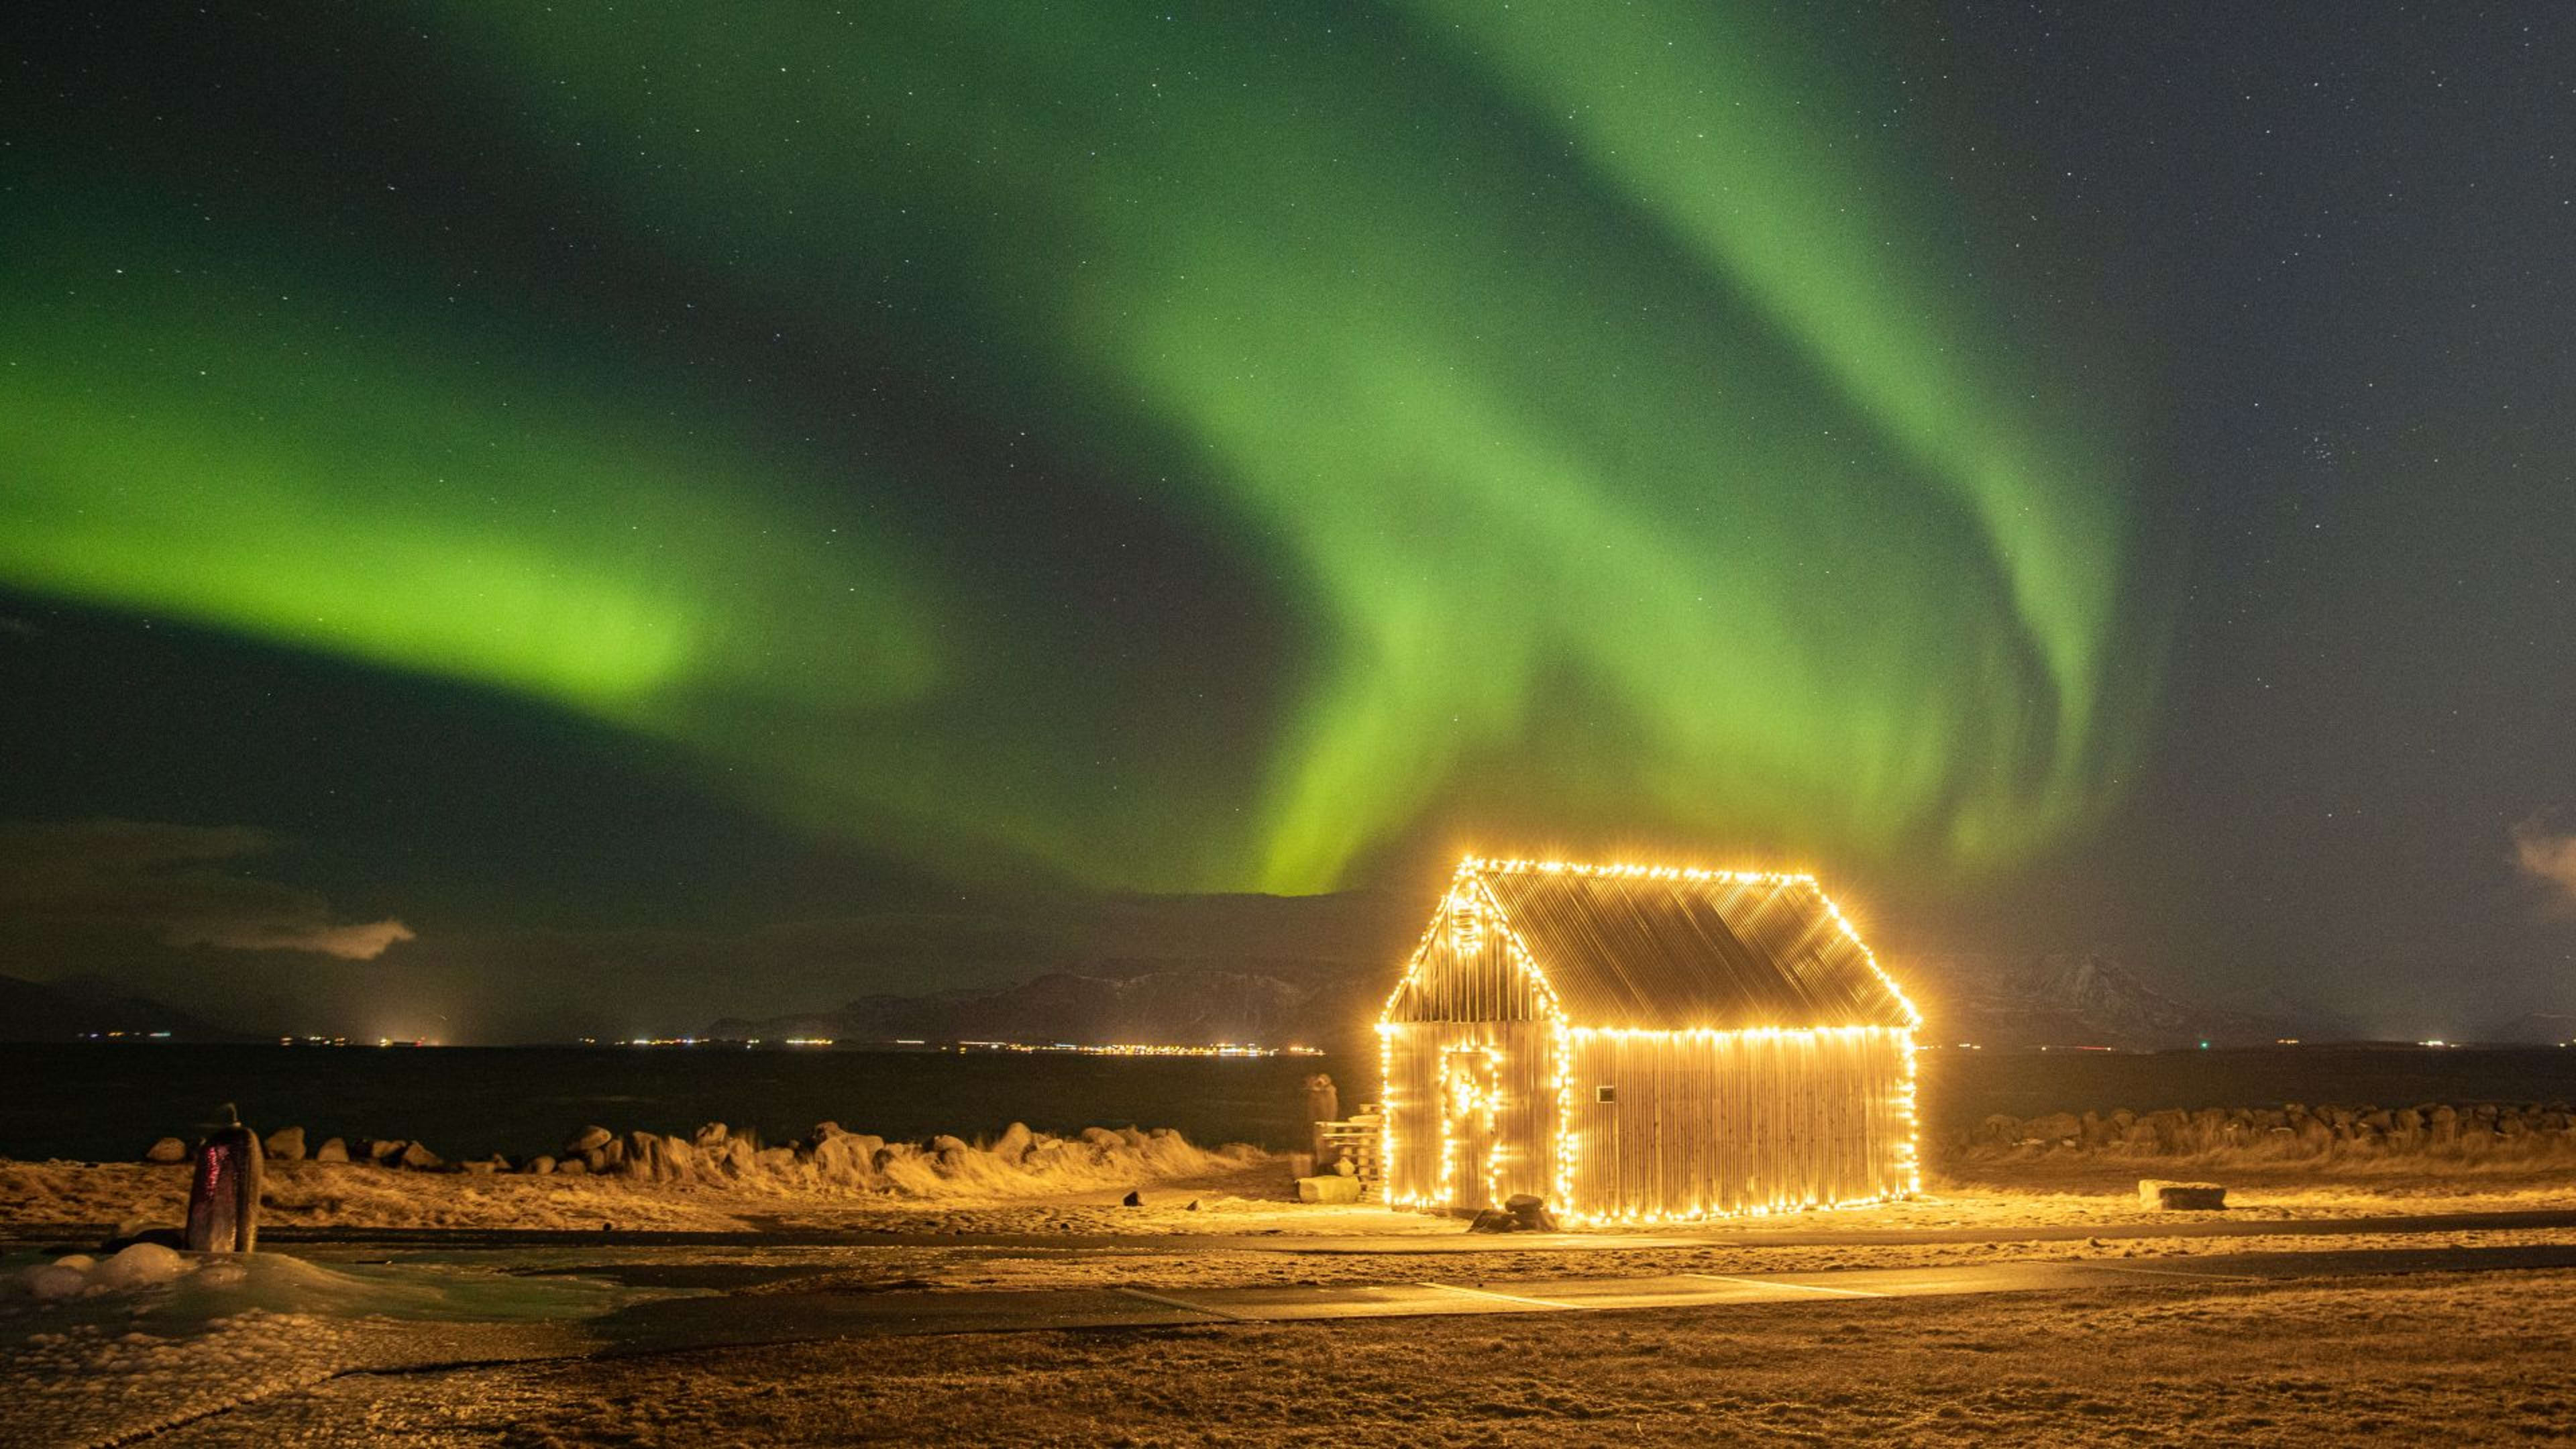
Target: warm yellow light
1472, 911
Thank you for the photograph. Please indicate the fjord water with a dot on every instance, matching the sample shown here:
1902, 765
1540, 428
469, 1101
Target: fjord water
108, 1102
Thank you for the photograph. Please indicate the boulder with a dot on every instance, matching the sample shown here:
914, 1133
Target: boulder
537, 1166
847, 1157
1014, 1143
572, 1167
1530, 1212
775, 1159
642, 1158
1132, 1199
286, 1144
383, 1150
2163, 1196
1328, 1189
168, 1149
2053, 1128
331, 1150
711, 1135
587, 1140
1494, 1220
418, 1158
944, 1144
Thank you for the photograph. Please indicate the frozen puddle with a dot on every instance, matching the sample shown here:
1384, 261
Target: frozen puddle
99, 1350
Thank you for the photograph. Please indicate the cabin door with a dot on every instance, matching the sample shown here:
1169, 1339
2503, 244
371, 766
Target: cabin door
1469, 1091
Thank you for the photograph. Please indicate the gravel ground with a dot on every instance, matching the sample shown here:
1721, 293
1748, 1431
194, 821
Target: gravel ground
2474, 1359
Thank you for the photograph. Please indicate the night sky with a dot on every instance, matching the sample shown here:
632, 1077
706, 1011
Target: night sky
518, 517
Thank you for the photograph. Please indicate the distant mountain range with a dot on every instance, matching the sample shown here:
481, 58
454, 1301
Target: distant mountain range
1296, 1003
2060, 999
2066, 999
80, 1006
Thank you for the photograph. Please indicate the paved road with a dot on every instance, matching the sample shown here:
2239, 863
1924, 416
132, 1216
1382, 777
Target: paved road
791, 1317
2195, 1226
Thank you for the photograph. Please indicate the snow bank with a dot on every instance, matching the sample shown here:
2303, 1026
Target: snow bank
711, 1180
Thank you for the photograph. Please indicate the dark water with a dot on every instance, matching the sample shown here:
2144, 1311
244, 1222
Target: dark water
109, 1102
1958, 1088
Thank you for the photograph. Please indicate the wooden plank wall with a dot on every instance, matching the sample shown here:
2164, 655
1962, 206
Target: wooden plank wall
1525, 1120
1730, 1123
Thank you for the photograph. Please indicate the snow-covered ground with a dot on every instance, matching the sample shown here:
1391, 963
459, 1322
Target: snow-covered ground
352, 1343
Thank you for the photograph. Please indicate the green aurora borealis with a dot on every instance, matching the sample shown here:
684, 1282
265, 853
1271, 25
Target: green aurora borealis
1191, 452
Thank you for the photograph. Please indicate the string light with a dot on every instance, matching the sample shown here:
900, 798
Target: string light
1471, 911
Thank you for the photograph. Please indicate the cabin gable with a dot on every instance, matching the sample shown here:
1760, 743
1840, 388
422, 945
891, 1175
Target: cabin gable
1470, 967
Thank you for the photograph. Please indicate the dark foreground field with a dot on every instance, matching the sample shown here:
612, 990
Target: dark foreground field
2471, 1359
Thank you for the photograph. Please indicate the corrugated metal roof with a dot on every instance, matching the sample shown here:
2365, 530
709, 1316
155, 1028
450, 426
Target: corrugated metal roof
1671, 951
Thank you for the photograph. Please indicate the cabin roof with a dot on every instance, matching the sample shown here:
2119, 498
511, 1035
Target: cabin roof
1671, 949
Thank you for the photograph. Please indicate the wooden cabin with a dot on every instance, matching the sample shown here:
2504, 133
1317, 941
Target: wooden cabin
1644, 1044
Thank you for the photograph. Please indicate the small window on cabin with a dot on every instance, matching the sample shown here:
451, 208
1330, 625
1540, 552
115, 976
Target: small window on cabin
1605, 1095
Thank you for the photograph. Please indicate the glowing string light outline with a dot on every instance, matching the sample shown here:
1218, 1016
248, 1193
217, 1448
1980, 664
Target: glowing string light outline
1470, 877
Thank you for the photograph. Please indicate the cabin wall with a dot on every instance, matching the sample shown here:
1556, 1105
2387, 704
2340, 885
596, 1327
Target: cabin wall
1707, 1123
1525, 1116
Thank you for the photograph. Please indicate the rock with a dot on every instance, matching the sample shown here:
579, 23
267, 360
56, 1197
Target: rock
286, 1144
1328, 1188
485, 1167
774, 1159
2163, 1196
844, 1157
2055, 1127
1133, 1199
331, 1150
641, 1155
587, 1140
1102, 1137
168, 1149
1014, 1143
1193, 1206
537, 1166
418, 1158
572, 1167
943, 1144
1530, 1212
711, 1135
383, 1149
1494, 1220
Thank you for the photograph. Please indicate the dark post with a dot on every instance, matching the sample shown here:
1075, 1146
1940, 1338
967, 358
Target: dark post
223, 1190
1323, 1104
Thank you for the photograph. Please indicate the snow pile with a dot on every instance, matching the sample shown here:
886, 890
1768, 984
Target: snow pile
1019, 1163
136, 1266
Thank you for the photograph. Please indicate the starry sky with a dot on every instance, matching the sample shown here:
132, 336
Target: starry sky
644, 479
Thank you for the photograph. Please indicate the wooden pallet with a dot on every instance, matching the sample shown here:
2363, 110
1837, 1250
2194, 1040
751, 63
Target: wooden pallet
1362, 1137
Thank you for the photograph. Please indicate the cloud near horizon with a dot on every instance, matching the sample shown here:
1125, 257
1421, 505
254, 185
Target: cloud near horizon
168, 880
2548, 857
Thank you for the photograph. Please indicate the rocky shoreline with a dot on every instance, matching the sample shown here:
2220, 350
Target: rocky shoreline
2476, 1131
